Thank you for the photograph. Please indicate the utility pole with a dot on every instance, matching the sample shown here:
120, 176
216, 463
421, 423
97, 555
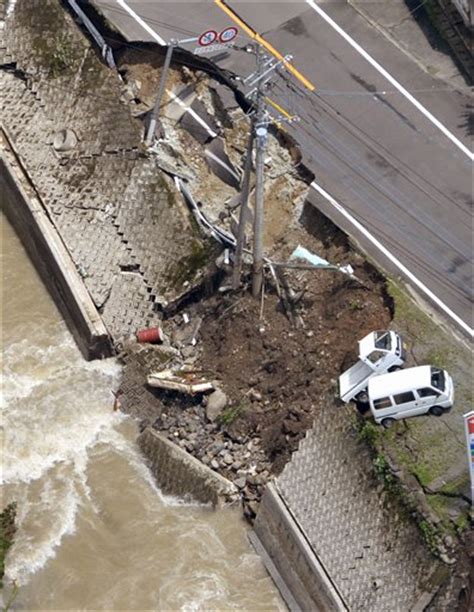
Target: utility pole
261, 131
244, 199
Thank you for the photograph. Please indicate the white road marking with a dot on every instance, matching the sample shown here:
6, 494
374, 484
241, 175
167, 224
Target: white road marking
143, 24
393, 259
322, 191
390, 78
219, 161
193, 113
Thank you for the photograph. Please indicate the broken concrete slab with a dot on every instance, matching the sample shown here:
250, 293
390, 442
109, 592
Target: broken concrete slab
199, 123
179, 473
220, 163
178, 101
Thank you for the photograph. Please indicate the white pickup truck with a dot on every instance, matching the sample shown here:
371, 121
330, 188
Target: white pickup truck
379, 352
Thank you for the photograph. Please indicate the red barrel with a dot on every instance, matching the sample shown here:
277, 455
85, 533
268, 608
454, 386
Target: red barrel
153, 334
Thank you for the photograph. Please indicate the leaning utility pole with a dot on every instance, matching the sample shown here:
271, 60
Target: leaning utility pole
261, 131
259, 79
244, 200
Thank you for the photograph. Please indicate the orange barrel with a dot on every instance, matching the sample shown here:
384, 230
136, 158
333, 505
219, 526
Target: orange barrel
153, 334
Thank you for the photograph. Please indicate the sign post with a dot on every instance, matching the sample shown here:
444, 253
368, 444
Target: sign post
206, 43
159, 96
469, 426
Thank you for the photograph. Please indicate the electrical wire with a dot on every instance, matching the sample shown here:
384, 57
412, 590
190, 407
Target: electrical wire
358, 132
320, 94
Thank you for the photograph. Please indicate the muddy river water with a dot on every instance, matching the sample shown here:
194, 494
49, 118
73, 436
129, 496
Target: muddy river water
94, 532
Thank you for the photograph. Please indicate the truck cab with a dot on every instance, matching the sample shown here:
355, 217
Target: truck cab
382, 350
379, 352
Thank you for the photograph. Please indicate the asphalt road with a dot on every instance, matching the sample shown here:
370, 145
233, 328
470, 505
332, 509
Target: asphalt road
384, 171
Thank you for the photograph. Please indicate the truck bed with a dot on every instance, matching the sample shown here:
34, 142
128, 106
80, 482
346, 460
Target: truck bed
352, 380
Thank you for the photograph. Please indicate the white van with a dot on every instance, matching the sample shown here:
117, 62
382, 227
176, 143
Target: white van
410, 392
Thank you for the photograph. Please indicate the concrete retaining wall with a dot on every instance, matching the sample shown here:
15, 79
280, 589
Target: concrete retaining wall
49, 255
302, 580
178, 473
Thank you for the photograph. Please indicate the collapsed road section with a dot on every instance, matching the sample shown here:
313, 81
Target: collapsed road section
151, 233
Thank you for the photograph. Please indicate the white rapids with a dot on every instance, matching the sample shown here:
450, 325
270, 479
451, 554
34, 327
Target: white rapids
93, 530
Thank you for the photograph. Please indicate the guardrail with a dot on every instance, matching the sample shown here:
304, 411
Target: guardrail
107, 53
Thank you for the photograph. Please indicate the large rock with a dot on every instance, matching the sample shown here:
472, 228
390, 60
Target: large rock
216, 403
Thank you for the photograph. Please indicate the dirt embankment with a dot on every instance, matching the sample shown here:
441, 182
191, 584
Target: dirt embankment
274, 375
273, 369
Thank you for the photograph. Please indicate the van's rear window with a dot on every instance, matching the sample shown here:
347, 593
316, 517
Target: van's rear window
383, 402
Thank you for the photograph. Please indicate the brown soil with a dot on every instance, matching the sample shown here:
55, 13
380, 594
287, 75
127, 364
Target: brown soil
278, 376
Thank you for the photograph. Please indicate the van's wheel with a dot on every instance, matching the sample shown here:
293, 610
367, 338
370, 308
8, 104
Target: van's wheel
394, 368
387, 423
362, 397
436, 411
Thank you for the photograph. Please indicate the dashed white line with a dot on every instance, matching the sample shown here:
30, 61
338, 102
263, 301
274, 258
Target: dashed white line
434, 298
393, 259
143, 24
193, 113
391, 79
219, 161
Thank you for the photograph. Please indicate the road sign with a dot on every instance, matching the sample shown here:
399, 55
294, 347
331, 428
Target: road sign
207, 38
228, 34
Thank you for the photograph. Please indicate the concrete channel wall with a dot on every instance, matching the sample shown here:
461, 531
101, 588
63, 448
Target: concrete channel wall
179, 473
302, 580
26, 213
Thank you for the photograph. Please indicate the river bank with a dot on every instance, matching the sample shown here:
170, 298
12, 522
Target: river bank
92, 529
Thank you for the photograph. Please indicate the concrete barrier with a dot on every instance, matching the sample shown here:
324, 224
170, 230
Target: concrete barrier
179, 473
302, 580
49, 255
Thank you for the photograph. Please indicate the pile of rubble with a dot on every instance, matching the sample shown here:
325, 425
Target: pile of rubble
238, 388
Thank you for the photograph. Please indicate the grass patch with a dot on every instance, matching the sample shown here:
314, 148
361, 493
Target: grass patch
429, 535
440, 358
462, 523
440, 505
385, 475
405, 309
230, 415
370, 433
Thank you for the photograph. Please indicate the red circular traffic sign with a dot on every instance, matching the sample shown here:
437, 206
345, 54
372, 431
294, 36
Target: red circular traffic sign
228, 34
207, 38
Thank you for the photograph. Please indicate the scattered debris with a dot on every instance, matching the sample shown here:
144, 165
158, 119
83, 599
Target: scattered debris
65, 140
117, 403
216, 402
182, 381
152, 335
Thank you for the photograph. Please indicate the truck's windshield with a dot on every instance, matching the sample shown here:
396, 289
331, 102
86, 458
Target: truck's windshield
383, 340
437, 379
